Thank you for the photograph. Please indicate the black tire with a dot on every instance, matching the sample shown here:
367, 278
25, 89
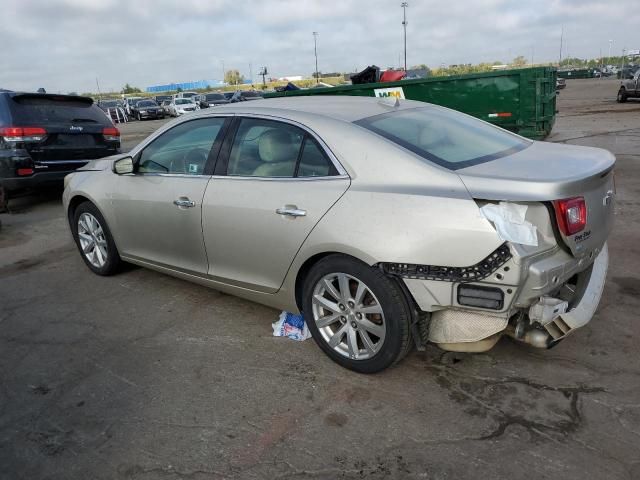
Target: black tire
622, 96
395, 307
113, 261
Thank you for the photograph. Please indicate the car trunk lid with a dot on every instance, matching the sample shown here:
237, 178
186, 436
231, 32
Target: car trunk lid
547, 172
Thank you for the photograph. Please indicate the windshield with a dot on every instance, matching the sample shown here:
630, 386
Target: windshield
147, 103
445, 137
183, 101
215, 96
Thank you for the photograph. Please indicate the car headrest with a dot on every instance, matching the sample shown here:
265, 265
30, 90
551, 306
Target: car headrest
276, 146
431, 135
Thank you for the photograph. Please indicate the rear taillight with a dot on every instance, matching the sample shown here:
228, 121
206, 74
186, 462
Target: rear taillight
571, 214
111, 134
23, 172
22, 134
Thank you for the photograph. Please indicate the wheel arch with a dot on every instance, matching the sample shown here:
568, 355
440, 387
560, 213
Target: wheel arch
306, 267
78, 199
75, 201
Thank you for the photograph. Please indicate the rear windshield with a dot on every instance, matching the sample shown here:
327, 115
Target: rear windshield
183, 101
445, 137
147, 103
47, 110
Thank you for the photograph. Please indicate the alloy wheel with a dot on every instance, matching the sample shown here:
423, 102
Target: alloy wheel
348, 316
92, 240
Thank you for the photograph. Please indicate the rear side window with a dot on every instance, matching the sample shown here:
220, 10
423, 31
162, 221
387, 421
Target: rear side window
27, 110
267, 148
445, 137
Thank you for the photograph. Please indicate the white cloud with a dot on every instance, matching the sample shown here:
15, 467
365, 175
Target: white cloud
64, 45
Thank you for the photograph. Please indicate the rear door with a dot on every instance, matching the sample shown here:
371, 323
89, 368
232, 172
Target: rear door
274, 181
158, 209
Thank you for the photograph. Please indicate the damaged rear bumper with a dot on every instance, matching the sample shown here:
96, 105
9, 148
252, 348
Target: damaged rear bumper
528, 276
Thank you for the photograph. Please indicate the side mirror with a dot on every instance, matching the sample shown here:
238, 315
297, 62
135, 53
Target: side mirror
123, 166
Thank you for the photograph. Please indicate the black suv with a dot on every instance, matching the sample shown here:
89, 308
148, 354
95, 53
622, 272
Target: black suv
43, 137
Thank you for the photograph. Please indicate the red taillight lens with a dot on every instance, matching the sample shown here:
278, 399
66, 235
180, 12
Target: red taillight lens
571, 214
22, 172
111, 133
22, 134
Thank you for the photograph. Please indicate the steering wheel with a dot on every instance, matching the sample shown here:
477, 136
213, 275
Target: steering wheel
196, 156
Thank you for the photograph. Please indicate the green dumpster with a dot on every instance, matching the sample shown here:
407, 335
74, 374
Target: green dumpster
576, 73
521, 100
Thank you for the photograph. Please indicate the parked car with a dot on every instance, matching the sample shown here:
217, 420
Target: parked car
560, 83
129, 103
200, 101
166, 107
381, 221
161, 98
629, 88
43, 137
214, 99
114, 109
180, 106
627, 72
242, 96
186, 94
147, 109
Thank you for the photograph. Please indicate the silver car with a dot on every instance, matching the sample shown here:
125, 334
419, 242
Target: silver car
388, 224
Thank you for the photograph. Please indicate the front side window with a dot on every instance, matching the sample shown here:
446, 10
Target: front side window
447, 138
266, 148
182, 150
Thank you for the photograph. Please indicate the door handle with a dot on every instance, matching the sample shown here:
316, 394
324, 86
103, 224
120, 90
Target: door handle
184, 202
291, 211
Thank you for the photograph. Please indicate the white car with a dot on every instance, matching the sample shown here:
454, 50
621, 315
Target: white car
180, 106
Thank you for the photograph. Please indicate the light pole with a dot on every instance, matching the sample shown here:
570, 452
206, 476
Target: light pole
609, 57
404, 6
561, 35
315, 51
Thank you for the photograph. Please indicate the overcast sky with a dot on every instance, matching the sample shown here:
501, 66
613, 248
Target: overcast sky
63, 45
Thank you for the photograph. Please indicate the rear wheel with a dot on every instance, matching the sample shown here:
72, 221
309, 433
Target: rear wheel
357, 316
94, 240
622, 96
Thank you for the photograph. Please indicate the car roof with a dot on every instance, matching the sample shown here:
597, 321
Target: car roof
345, 108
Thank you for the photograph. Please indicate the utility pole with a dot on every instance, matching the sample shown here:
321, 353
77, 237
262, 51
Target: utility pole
561, 35
251, 74
223, 72
609, 58
98, 85
404, 6
315, 51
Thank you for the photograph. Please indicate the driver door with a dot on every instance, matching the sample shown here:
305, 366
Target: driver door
158, 209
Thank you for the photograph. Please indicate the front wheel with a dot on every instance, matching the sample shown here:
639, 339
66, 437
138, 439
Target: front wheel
94, 240
622, 96
358, 316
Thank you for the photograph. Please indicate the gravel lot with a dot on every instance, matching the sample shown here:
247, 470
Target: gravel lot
143, 376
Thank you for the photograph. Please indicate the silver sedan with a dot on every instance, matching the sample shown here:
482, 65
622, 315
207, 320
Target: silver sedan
388, 224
